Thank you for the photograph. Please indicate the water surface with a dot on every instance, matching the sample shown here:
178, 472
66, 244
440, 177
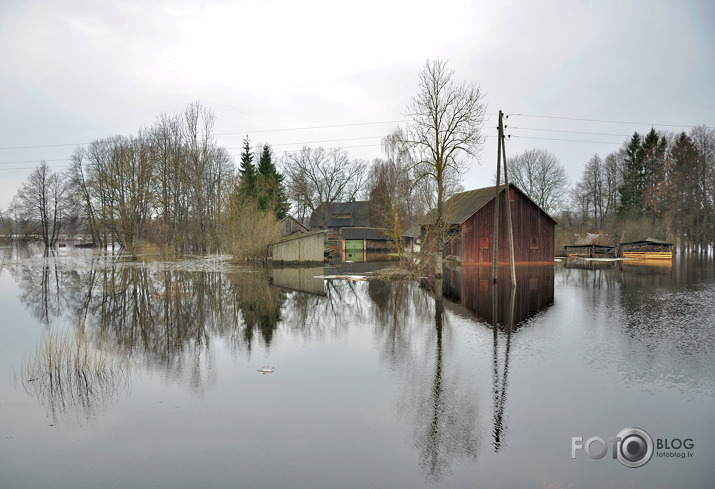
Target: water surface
375, 384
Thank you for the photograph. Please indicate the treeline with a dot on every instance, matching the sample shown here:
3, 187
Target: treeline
659, 185
170, 185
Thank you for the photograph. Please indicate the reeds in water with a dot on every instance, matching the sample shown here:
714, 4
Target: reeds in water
75, 374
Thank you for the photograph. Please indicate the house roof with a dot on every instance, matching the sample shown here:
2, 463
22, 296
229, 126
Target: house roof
414, 231
649, 241
464, 205
592, 239
341, 214
293, 236
364, 233
294, 221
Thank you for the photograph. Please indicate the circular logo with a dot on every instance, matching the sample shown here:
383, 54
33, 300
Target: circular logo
635, 447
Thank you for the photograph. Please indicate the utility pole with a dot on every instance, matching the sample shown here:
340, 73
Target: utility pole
501, 156
495, 240
508, 209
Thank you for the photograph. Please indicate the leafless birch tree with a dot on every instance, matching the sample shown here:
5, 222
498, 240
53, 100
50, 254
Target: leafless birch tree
443, 133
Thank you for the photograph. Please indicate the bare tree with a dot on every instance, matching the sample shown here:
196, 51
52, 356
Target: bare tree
443, 132
40, 201
317, 178
541, 176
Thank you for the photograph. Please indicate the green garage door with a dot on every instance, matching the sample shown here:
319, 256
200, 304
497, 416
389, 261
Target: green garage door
353, 250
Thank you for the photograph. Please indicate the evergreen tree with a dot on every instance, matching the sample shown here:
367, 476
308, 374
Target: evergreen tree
247, 184
271, 193
654, 154
631, 190
682, 188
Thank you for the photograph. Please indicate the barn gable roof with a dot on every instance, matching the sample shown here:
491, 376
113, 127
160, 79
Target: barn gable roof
464, 205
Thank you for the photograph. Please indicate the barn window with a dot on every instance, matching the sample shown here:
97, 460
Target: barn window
534, 245
484, 243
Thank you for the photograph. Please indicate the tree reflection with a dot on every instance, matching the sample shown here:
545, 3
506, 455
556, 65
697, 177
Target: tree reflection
40, 287
440, 405
164, 315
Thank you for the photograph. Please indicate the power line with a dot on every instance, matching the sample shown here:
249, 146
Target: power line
309, 127
32, 167
603, 121
569, 140
44, 146
569, 132
39, 160
316, 142
329, 126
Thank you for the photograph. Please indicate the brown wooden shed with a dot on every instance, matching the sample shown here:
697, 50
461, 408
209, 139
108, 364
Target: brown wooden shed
471, 215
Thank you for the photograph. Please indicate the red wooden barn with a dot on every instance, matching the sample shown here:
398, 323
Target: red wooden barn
471, 216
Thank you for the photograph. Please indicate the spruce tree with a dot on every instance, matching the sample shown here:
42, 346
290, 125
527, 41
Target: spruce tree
271, 193
631, 190
247, 184
654, 152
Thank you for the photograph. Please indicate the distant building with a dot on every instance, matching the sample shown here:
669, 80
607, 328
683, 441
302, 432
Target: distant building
357, 242
334, 217
647, 249
471, 218
591, 246
411, 239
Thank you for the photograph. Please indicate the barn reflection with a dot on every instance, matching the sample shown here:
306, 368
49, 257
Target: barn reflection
505, 308
473, 288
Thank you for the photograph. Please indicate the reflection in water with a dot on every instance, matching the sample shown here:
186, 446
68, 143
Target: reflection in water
471, 286
301, 279
504, 307
447, 427
164, 316
167, 316
437, 400
75, 376
500, 382
449, 368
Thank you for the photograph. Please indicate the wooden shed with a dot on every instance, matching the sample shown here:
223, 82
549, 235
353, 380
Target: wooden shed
471, 216
300, 248
647, 249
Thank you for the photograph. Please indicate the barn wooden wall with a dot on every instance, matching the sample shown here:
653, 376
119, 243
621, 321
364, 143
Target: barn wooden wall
528, 221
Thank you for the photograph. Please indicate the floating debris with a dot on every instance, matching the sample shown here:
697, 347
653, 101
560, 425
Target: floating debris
342, 277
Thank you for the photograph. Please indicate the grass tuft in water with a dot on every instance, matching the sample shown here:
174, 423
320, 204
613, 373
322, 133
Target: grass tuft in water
75, 374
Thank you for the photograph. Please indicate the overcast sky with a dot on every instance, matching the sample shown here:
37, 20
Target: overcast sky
75, 71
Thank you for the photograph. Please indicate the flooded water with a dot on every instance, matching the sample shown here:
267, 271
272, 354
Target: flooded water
200, 373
